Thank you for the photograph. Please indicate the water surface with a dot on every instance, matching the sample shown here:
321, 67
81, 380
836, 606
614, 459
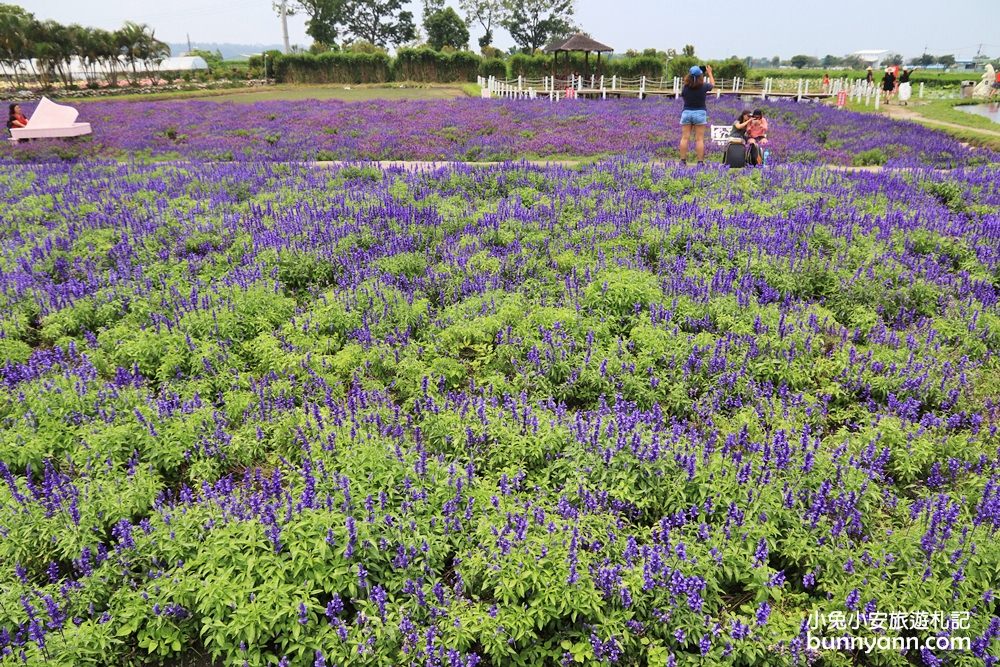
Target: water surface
991, 111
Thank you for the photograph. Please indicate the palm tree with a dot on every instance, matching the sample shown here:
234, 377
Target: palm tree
15, 24
97, 51
137, 43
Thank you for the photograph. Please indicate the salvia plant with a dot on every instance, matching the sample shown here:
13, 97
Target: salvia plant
480, 130
275, 414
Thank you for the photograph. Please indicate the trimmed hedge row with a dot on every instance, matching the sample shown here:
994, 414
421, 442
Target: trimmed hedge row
333, 67
427, 65
536, 67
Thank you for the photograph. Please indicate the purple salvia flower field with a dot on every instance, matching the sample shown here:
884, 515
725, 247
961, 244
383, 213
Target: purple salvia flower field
467, 129
621, 413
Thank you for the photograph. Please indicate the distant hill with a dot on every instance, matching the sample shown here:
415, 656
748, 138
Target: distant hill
228, 51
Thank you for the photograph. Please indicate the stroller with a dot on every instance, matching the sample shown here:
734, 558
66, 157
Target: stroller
735, 155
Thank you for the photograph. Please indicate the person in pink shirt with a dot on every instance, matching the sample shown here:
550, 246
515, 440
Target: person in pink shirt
756, 137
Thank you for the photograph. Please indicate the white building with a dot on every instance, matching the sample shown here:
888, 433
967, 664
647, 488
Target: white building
871, 56
79, 72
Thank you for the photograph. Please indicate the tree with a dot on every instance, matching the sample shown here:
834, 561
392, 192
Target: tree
432, 7
446, 28
830, 60
213, 60
52, 45
893, 59
381, 22
854, 62
947, 61
533, 23
776, 61
485, 13
688, 50
15, 26
325, 19
799, 61
138, 45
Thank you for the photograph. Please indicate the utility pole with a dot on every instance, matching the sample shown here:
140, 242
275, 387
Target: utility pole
284, 24
189, 42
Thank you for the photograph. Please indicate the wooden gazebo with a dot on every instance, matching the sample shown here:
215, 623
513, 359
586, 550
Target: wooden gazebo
575, 44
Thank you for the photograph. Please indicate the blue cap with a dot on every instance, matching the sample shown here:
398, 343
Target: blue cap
695, 71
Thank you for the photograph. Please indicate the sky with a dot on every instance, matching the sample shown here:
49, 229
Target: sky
717, 29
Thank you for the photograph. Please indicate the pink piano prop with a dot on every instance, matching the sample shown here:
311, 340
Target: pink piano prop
51, 120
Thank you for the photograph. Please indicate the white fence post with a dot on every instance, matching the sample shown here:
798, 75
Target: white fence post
614, 82
798, 94
591, 81
921, 93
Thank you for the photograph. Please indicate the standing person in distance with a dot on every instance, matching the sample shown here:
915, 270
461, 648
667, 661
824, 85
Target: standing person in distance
888, 85
905, 89
694, 118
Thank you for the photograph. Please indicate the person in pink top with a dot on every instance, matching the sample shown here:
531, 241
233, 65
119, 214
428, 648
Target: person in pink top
756, 137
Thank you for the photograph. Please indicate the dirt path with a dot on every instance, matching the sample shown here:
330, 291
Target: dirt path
905, 113
418, 165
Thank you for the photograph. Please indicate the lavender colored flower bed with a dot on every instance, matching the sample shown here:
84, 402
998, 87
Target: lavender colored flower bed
274, 414
474, 130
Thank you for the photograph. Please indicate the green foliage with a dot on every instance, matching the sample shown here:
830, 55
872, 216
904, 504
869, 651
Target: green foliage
871, 157
680, 65
534, 23
493, 406
428, 65
730, 69
445, 28
333, 67
622, 292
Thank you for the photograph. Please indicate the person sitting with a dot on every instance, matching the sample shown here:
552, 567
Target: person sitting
15, 118
756, 133
735, 153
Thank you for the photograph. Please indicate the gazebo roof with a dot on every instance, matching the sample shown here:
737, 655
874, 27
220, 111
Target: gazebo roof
578, 42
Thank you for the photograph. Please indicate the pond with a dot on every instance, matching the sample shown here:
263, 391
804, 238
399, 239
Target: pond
991, 111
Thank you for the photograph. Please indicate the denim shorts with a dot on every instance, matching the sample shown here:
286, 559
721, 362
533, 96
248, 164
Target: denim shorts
694, 117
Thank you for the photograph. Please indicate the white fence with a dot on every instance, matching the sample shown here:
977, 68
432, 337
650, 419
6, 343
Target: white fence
555, 88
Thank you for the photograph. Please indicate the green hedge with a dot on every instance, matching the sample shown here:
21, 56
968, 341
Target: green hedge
427, 65
931, 78
435, 66
722, 69
650, 67
535, 67
493, 67
333, 67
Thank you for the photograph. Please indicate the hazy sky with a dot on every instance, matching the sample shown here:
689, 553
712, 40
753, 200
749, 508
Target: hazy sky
772, 27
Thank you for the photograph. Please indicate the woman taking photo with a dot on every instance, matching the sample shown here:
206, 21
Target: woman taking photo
694, 118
